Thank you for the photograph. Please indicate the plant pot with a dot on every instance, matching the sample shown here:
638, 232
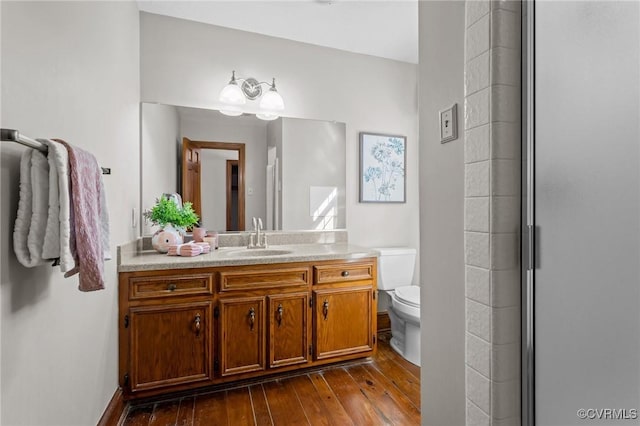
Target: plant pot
165, 237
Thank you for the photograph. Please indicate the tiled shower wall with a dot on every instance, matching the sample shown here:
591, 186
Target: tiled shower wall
492, 212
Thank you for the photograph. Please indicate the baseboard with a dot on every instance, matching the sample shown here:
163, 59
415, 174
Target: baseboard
384, 323
114, 411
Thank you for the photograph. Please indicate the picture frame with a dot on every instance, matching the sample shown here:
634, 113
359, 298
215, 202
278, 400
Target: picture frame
383, 160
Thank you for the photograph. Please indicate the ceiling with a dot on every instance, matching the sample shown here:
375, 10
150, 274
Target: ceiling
384, 28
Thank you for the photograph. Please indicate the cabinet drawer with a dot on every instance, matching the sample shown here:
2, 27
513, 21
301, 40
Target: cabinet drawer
325, 274
261, 279
164, 286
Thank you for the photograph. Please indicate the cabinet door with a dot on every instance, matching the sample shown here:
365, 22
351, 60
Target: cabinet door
242, 345
170, 345
288, 327
343, 321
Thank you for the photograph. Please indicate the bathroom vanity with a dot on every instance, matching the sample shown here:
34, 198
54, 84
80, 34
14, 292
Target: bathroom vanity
238, 314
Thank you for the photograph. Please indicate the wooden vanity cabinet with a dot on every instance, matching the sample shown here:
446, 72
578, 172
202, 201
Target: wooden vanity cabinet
165, 330
242, 335
189, 328
263, 318
344, 309
289, 329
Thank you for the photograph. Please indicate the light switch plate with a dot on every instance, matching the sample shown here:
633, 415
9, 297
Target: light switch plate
449, 124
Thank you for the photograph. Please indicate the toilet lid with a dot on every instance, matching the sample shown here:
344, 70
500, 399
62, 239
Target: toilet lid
409, 295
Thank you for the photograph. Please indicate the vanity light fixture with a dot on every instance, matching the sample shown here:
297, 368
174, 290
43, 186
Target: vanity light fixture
235, 96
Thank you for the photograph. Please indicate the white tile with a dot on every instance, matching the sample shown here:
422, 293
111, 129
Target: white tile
505, 66
505, 29
505, 362
476, 9
505, 104
505, 288
505, 251
477, 144
479, 355
478, 38
476, 249
478, 319
505, 325
478, 284
475, 416
476, 179
476, 214
477, 109
478, 390
476, 74
511, 5
505, 214
505, 399
506, 141
505, 178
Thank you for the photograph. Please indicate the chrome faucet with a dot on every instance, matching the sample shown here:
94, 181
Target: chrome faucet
257, 239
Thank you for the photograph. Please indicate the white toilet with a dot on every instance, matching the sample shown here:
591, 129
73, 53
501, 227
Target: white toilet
395, 275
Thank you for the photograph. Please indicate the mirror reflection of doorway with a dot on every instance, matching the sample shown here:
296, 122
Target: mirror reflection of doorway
232, 195
213, 180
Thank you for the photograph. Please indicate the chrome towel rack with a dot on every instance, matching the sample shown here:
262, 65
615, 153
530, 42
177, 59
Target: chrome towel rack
11, 135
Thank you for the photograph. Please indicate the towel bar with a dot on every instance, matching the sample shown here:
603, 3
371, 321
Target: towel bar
11, 135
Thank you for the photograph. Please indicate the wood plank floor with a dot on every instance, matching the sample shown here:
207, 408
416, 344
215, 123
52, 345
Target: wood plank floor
385, 391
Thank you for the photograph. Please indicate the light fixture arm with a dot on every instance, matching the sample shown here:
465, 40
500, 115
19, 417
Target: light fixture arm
251, 87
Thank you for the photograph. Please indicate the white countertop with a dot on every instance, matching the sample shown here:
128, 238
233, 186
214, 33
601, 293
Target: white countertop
129, 261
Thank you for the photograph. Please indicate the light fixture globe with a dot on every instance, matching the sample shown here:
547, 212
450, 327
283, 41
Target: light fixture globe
267, 116
271, 104
231, 94
231, 111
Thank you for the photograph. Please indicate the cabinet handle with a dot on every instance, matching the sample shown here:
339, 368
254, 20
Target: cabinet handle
252, 317
172, 287
345, 273
280, 311
325, 309
197, 322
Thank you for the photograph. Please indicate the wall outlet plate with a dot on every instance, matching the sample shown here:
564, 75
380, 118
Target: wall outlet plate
449, 124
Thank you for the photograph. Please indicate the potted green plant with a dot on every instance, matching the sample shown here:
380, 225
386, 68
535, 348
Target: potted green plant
173, 221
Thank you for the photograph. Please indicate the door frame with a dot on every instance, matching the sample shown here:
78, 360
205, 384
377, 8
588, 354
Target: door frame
229, 190
230, 146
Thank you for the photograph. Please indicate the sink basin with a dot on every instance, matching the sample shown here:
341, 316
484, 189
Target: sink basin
258, 252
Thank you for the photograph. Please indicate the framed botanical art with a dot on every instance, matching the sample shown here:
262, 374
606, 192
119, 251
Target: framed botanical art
382, 168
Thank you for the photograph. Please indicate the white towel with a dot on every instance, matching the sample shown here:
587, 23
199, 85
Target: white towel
58, 239
31, 221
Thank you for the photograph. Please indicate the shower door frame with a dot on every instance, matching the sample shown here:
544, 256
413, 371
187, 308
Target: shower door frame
528, 219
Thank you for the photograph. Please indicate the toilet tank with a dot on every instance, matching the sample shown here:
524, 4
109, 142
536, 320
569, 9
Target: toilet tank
395, 267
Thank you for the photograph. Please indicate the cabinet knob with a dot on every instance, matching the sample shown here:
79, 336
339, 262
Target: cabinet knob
172, 287
197, 322
252, 317
280, 311
345, 273
325, 309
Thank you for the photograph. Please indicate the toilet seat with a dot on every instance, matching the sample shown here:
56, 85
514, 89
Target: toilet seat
409, 294
405, 301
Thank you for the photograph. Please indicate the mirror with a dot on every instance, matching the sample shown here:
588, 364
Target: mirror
290, 172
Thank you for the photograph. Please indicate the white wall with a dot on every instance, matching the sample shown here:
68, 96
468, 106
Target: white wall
211, 126
442, 26
188, 63
312, 154
160, 140
214, 187
69, 70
